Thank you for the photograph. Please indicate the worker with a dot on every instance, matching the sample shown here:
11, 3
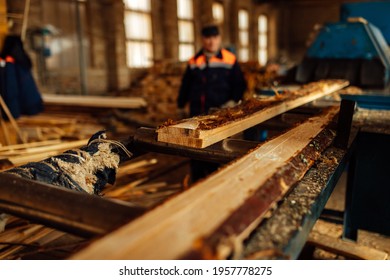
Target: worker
18, 88
213, 76
213, 79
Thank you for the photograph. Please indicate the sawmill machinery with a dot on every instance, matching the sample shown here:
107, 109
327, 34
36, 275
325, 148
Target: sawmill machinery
356, 48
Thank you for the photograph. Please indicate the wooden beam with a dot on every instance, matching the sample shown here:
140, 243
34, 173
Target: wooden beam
212, 219
12, 120
3, 22
348, 249
29, 145
221, 152
95, 101
191, 133
39, 153
63, 209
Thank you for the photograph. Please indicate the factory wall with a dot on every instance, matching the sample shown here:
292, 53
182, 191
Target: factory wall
165, 27
102, 45
298, 19
100, 49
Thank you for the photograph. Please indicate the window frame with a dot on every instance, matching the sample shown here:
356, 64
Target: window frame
220, 4
243, 30
149, 41
185, 20
261, 33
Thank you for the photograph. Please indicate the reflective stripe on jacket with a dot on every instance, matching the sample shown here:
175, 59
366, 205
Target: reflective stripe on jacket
211, 83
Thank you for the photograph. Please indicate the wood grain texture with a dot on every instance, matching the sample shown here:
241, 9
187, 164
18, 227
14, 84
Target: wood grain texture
26, 155
189, 134
179, 226
348, 249
95, 101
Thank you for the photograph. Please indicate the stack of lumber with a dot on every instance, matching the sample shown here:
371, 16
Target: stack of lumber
203, 131
48, 135
258, 77
159, 87
19, 154
41, 128
50, 126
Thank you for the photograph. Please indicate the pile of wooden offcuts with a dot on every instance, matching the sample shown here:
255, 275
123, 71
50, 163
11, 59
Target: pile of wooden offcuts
159, 87
43, 135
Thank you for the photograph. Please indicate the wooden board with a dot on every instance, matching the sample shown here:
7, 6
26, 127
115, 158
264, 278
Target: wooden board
189, 132
95, 101
349, 249
23, 156
202, 222
284, 234
3, 21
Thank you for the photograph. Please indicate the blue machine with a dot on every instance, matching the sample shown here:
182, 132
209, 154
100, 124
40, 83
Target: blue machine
376, 12
352, 49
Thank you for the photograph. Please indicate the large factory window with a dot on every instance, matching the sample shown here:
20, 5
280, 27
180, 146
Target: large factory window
185, 14
243, 35
218, 13
138, 27
263, 39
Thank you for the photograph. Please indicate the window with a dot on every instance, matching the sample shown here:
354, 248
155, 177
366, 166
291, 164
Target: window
138, 28
185, 15
243, 35
218, 13
263, 39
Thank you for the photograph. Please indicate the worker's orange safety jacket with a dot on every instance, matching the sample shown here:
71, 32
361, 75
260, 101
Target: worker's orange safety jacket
211, 83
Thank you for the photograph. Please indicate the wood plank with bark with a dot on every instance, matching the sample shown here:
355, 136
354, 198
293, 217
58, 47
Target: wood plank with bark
203, 131
213, 218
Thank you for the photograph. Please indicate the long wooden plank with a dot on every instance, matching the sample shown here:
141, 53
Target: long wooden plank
29, 145
12, 119
63, 209
3, 21
345, 248
5, 131
42, 149
285, 233
95, 101
189, 133
189, 221
40, 153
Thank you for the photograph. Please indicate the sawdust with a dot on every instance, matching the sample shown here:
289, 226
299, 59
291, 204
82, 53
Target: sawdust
85, 174
252, 105
288, 219
167, 123
227, 115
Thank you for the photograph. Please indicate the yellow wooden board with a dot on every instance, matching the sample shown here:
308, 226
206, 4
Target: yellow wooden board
188, 133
